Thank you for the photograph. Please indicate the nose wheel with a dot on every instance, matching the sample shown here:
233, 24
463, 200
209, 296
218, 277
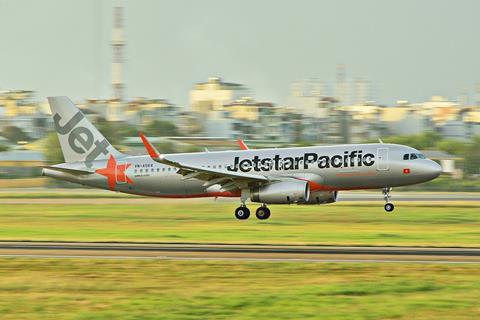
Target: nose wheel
389, 207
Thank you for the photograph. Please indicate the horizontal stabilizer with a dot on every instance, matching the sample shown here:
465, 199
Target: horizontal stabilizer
79, 172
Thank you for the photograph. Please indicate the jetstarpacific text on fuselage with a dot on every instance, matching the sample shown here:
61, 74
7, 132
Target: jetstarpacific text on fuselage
349, 159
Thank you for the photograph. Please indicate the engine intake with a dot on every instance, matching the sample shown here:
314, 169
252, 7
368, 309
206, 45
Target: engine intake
294, 191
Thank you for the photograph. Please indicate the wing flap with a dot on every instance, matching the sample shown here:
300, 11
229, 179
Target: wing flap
229, 180
209, 171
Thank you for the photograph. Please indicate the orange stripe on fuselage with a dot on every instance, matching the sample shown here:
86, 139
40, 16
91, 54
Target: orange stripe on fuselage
321, 187
226, 194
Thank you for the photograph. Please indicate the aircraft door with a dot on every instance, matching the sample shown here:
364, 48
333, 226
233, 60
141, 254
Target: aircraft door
383, 161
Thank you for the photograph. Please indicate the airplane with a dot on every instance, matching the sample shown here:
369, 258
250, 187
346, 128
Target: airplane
297, 175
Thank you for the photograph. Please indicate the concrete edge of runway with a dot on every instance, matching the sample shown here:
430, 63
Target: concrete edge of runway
238, 252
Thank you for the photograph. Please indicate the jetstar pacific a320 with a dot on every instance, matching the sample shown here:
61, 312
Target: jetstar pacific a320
302, 175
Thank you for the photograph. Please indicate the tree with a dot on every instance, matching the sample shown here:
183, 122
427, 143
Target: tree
15, 134
160, 128
424, 140
452, 146
115, 132
3, 148
472, 157
108, 129
52, 148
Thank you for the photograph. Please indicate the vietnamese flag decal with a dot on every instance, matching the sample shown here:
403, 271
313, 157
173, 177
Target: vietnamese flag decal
406, 171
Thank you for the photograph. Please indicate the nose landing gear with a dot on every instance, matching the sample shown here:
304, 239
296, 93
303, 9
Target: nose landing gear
389, 207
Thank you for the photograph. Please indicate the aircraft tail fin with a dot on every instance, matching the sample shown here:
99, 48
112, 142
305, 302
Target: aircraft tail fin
79, 139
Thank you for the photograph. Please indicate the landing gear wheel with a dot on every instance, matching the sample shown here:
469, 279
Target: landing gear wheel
386, 195
389, 207
242, 213
262, 213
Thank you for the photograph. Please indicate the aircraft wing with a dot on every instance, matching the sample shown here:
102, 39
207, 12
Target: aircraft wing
228, 180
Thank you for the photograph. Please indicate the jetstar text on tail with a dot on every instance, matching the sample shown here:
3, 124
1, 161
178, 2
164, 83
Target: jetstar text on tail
80, 139
348, 159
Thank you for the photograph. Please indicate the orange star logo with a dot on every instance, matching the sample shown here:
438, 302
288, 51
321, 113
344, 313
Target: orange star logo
115, 173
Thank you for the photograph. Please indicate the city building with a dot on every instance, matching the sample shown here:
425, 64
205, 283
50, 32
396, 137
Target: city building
108, 109
19, 109
214, 94
309, 99
143, 111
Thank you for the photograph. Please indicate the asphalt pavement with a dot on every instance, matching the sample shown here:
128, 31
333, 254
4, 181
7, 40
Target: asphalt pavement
195, 251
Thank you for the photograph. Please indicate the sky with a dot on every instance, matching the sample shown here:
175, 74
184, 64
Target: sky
408, 49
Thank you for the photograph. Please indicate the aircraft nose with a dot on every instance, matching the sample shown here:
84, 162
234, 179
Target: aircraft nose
426, 170
434, 169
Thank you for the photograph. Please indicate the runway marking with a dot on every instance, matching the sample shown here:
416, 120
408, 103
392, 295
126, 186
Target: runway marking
232, 252
292, 260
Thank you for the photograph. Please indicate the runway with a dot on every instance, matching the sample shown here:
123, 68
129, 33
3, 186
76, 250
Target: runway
85, 196
284, 253
411, 196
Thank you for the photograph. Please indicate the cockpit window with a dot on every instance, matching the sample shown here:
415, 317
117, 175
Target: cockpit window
413, 156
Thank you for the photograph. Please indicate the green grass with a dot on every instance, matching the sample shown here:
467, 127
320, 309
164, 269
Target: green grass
157, 289
353, 224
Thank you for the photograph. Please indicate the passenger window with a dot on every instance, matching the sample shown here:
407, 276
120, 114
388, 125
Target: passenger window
413, 156
405, 156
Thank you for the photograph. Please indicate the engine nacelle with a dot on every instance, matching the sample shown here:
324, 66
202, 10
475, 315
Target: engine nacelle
322, 197
292, 191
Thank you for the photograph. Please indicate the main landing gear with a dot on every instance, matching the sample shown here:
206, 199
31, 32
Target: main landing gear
243, 213
386, 195
263, 213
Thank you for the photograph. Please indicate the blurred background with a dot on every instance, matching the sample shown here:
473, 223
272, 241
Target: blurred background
193, 75
201, 74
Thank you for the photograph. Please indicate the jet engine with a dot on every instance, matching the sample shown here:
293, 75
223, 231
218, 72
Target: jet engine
322, 197
291, 191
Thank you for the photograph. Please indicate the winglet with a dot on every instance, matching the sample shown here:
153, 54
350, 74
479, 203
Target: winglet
242, 144
150, 148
